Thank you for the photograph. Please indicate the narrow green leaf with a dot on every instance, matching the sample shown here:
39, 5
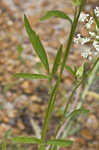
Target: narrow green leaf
42, 147
68, 68
96, 19
55, 147
26, 140
4, 145
80, 71
5, 139
83, 2
36, 43
59, 142
77, 112
57, 60
31, 76
19, 49
56, 13
77, 2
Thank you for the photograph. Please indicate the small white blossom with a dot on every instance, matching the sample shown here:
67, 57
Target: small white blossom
96, 10
96, 45
96, 53
90, 58
97, 37
84, 40
93, 34
76, 40
83, 17
80, 40
88, 25
86, 53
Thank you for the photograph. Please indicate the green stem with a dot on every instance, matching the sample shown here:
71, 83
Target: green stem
90, 80
93, 71
66, 107
55, 89
73, 28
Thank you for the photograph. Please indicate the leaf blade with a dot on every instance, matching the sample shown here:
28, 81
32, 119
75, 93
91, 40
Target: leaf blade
56, 13
59, 142
57, 60
96, 19
26, 140
5, 139
68, 68
36, 43
19, 49
31, 76
77, 112
42, 147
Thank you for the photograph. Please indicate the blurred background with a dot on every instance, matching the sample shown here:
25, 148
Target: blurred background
23, 102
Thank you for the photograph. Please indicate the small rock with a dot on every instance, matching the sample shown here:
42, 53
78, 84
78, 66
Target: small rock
45, 3
34, 108
20, 125
12, 113
92, 122
16, 131
3, 129
80, 141
86, 134
5, 118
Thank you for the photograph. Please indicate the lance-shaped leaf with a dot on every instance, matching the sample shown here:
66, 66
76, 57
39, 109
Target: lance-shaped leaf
57, 60
26, 140
31, 76
80, 71
96, 19
59, 142
5, 139
36, 43
56, 13
77, 112
55, 147
19, 49
42, 147
83, 2
77, 2
68, 68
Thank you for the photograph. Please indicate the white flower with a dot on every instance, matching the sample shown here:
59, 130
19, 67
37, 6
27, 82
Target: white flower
96, 10
83, 17
86, 52
90, 21
97, 37
90, 58
76, 40
81, 40
93, 34
96, 45
84, 40
96, 53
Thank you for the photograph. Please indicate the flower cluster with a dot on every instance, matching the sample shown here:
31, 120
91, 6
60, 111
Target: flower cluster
97, 11
93, 36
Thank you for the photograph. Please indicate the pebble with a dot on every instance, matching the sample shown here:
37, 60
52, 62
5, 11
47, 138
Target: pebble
92, 122
86, 134
20, 125
34, 108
